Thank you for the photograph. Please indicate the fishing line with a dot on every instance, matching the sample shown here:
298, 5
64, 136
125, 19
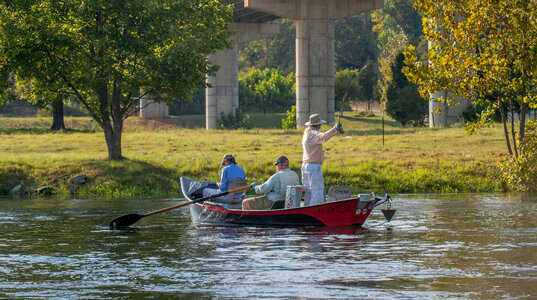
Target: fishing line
196, 146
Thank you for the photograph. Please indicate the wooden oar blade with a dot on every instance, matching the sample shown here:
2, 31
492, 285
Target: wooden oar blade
125, 220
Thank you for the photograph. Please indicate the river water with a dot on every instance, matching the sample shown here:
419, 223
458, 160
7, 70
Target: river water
481, 246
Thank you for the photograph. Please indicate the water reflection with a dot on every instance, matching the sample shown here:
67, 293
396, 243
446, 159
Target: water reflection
452, 246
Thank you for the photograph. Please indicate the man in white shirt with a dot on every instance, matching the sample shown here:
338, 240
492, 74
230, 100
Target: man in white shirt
313, 158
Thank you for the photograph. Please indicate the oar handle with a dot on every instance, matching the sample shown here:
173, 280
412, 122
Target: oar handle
199, 200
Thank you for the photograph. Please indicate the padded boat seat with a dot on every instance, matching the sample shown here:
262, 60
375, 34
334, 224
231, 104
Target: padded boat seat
233, 198
338, 192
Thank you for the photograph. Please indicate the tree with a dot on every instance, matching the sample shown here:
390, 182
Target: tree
109, 54
366, 84
397, 25
26, 89
484, 51
266, 90
277, 52
346, 81
355, 42
404, 102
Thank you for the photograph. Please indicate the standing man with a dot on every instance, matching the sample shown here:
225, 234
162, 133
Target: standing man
274, 188
313, 158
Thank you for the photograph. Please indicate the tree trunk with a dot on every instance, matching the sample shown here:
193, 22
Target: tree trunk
513, 133
57, 114
113, 139
505, 130
112, 121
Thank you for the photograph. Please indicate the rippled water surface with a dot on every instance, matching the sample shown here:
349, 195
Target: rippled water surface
437, 246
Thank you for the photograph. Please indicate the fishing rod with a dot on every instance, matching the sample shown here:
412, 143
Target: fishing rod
196, 146
347, 91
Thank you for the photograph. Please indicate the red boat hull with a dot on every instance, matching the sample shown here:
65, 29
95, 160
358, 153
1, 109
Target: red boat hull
338, 213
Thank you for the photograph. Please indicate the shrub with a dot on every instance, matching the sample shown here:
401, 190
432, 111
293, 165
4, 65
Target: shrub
237, 120
290, 121
521, 171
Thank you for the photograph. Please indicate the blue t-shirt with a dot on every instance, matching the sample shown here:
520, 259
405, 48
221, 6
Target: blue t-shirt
230, 173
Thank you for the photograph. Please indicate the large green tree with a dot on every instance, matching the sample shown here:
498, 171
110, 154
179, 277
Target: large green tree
404, 102
110, 53
484, 51
355, 42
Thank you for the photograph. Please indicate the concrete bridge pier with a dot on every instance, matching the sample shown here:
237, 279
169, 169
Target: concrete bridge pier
223, 95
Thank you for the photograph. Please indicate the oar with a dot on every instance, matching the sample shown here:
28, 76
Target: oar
130, 219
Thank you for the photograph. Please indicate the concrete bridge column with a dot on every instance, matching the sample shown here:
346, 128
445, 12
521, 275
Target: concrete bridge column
223, 95
315, 60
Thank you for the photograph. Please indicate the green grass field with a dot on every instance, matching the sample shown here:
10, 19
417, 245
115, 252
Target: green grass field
158, 152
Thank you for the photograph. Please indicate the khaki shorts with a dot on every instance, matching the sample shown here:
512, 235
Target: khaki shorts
259, 203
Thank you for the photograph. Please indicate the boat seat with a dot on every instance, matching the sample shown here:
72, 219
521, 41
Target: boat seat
338, 192
232, 198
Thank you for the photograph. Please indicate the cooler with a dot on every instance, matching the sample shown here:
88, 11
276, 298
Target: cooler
293, 196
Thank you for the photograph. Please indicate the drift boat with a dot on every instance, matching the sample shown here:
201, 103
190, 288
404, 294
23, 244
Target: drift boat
353, 210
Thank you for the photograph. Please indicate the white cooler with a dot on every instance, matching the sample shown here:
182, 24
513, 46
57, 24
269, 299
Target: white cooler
293, 196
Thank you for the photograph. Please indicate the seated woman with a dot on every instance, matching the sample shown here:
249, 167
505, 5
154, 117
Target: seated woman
230, 172
274, 188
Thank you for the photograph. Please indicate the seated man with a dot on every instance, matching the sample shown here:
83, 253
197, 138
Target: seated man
274, 188
230, 172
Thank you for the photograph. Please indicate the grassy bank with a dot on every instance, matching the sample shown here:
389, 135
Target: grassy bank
158, 152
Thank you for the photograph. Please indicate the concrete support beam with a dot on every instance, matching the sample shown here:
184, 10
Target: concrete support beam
150, 109
223, 95
314, 47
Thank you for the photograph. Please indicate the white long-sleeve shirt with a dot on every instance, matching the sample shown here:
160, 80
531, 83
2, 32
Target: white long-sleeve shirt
312, 144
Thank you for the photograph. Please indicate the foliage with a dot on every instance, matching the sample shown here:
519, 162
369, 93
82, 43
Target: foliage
277, 52
397, 26
521, 171
266, 90
236, 120
404, 102
346, 81
357, 84
483, 51
109, 54
355, 42
290, 121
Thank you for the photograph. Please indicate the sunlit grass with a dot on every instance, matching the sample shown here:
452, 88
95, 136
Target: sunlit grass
157, 154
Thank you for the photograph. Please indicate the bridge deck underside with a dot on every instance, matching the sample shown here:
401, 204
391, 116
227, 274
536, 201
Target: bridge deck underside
242, 14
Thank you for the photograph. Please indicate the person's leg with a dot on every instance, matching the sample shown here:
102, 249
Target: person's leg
208, 192
316, 185
257, 203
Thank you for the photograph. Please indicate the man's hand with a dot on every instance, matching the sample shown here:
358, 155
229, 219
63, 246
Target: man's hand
340, 128
254, 184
